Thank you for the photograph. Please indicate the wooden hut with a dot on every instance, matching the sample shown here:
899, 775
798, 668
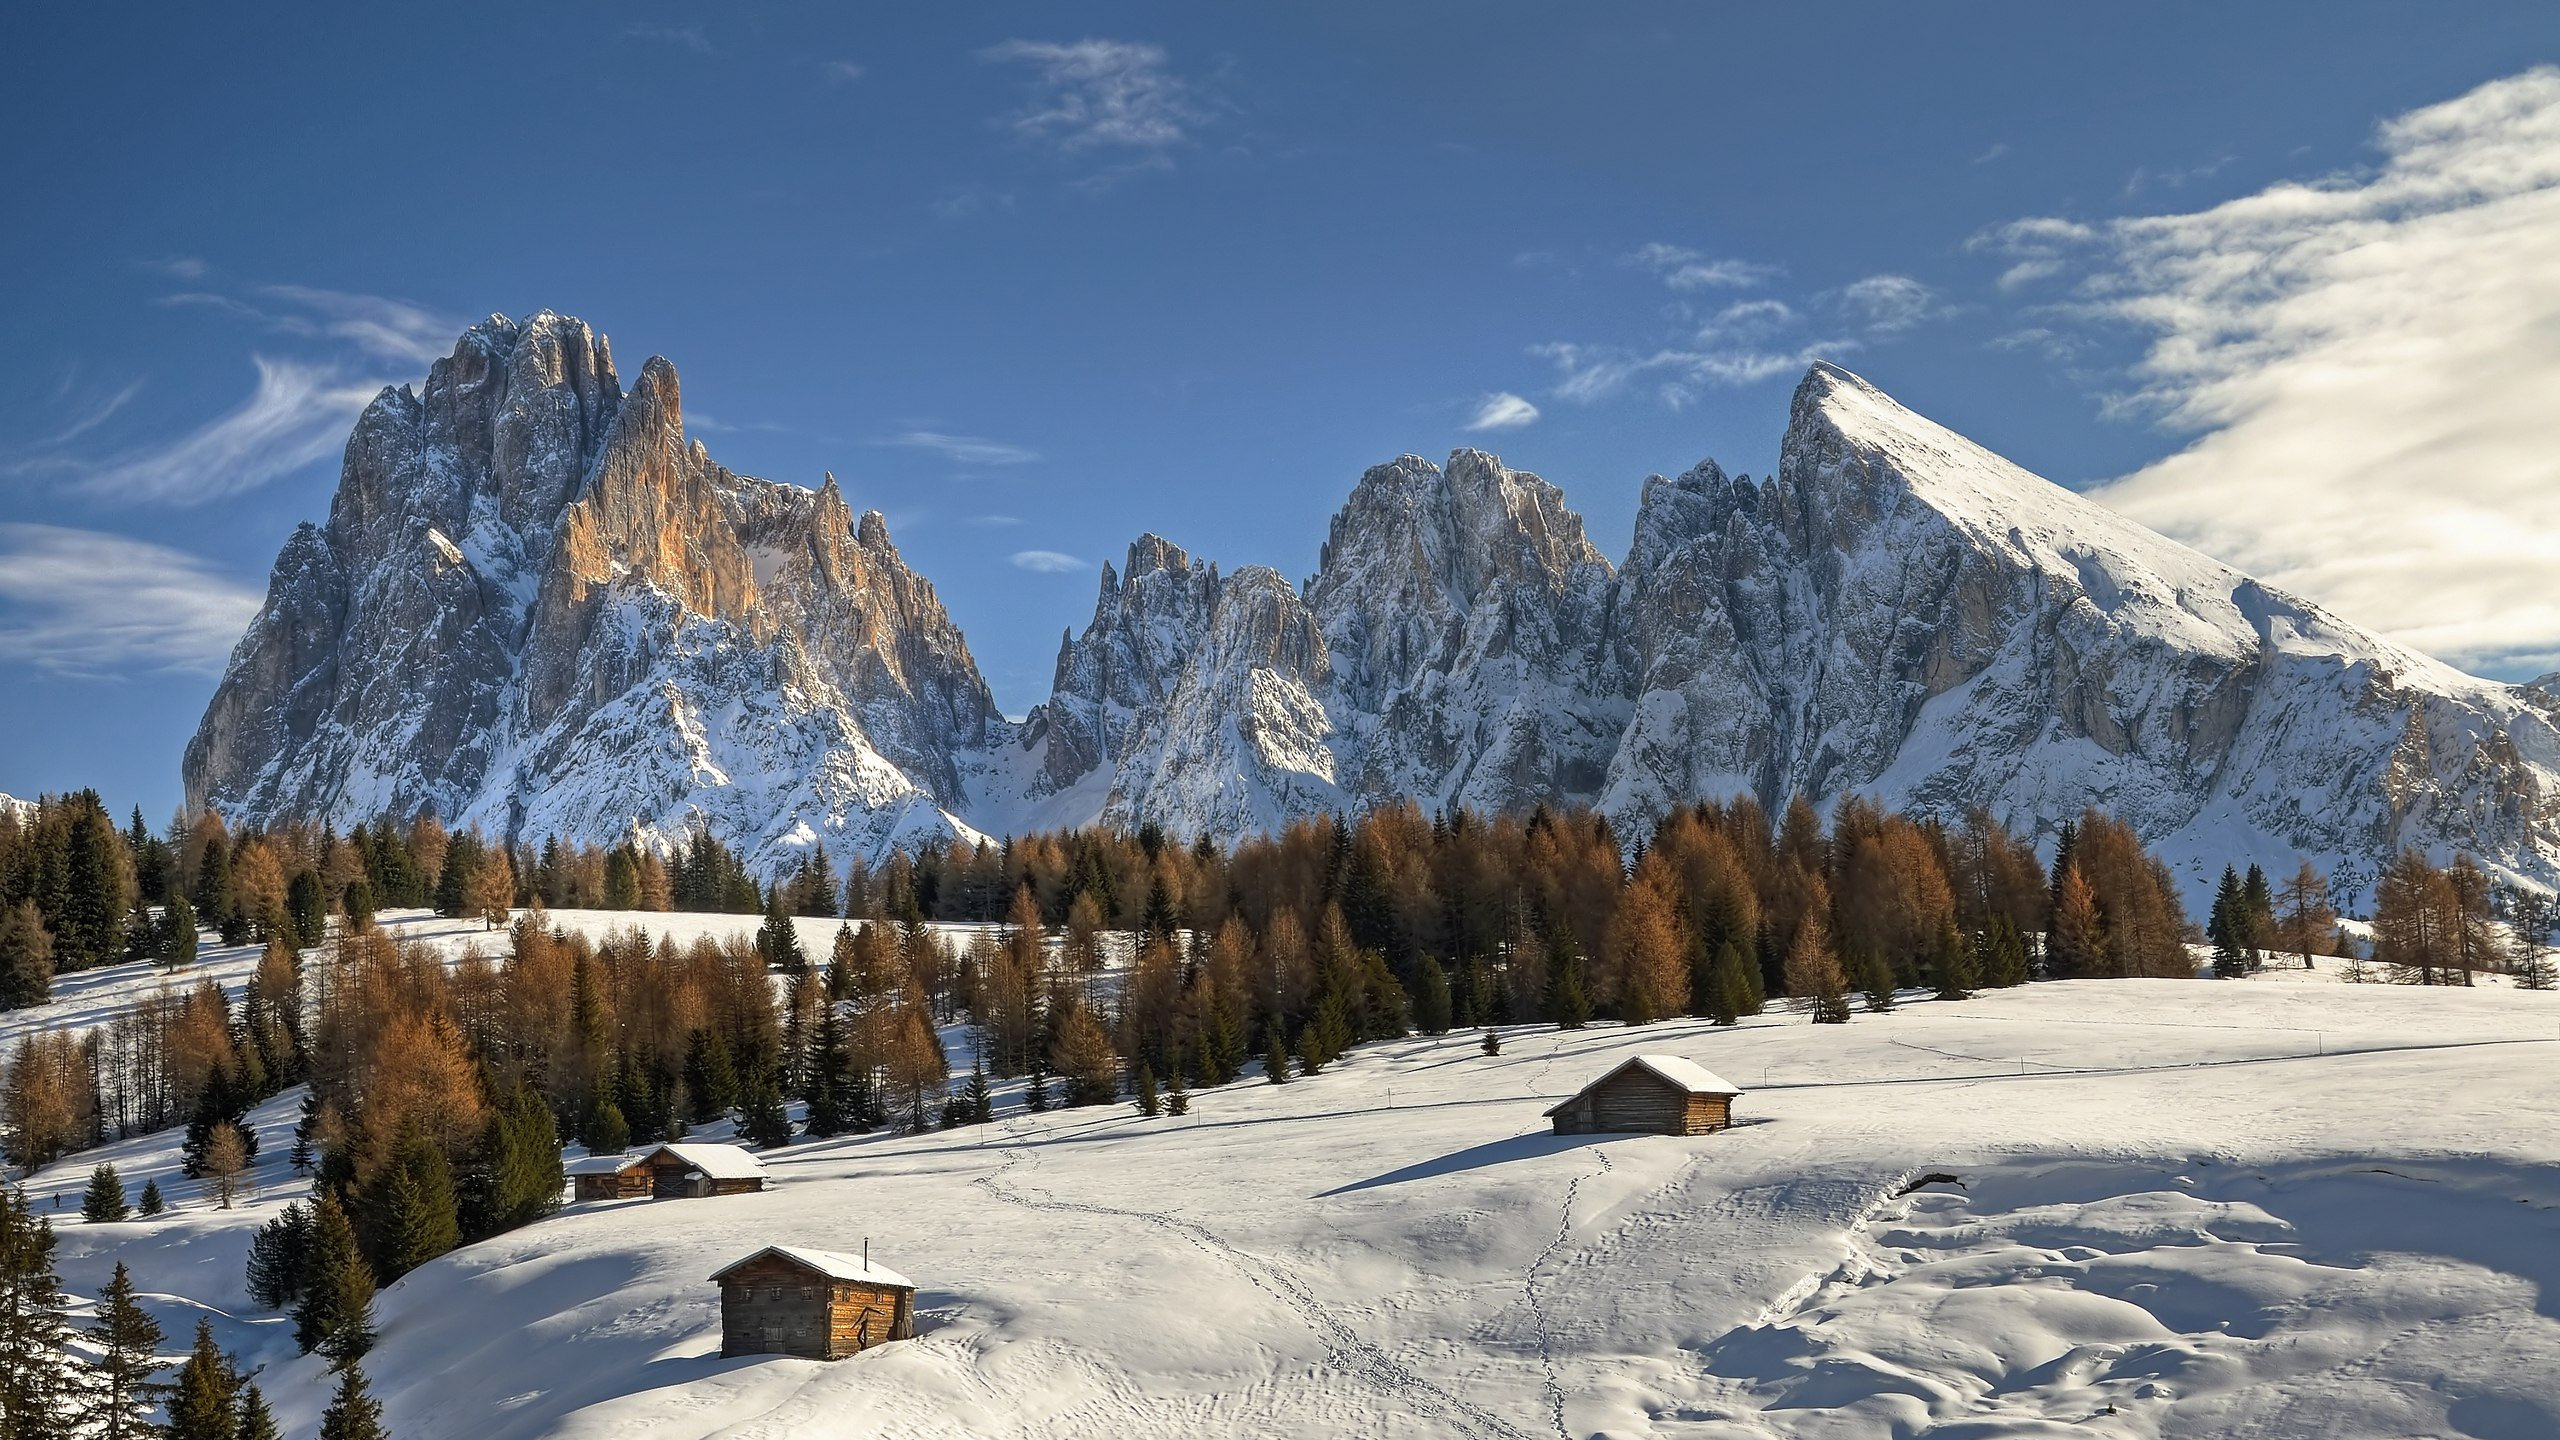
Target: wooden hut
610, 1177
784, 1300
685, 1172
1659, 1094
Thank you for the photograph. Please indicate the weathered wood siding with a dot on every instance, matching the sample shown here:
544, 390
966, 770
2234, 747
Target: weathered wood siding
629, 1184
777, 1308
1637, 1100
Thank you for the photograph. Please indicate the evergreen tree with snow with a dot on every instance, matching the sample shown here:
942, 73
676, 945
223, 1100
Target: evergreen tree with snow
103, 1202
1149, 1103
177, 934
2224, 927
353, 1413
1035, 1096
26, 957
205, 1404
121, 1392
1875, 980
151, 1203
1952, 966
1275, 1058
335, 1314
978, 1100
1492, 1044
1431, 1004
763, 1120
778, 940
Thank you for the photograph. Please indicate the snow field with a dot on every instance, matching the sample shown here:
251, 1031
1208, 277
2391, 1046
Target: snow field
2277, 1209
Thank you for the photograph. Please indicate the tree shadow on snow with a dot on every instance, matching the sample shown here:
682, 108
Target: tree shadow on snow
1482, 1157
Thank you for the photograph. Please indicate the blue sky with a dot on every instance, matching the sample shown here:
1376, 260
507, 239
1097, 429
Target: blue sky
1034, 279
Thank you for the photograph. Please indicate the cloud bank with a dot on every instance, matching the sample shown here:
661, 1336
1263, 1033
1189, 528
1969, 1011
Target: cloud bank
81, 604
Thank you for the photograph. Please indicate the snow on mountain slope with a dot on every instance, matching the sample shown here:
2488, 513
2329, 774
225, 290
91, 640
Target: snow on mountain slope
2178, 1208
538, 608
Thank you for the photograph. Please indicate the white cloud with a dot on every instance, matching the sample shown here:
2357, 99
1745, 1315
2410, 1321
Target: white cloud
966, 449
1101, 95
1997, 149
298, 414
1594, 372
1503, 410
1048, 562
82, 603
92, 416
177, 267
2039, 246
2371, 362
1889, 304
992, 521
842, 72
689, 37
1685, 269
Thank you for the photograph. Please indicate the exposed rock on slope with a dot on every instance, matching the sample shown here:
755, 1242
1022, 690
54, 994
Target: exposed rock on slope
538, 608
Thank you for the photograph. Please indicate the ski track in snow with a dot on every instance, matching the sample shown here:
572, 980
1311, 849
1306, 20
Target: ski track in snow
1358, 1357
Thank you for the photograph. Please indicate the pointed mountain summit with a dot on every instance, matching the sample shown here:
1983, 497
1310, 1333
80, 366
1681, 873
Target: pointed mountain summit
539, 607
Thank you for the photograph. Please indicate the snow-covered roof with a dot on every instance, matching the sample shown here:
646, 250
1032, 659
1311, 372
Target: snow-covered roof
833, 1264
720, 1162
603, 1164
1689, 1075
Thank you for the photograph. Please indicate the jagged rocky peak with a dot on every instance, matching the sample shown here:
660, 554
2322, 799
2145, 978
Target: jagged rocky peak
539, 607
1148, 619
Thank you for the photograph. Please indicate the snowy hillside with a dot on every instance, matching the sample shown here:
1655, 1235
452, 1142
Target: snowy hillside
2177, 1208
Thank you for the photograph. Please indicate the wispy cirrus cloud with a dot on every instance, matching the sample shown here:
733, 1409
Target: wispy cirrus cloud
296, 414
841, 72
964, 449
83, 604
685, 37
1681, 268
1889, 304
1048, 562
1502, 410
1093, 97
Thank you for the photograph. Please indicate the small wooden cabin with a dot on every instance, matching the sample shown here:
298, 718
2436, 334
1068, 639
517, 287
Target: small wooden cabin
610, 1177
818, 1304
685, 1172
1656, 1094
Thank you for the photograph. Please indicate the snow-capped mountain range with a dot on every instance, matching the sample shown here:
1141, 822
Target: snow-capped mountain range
538, 608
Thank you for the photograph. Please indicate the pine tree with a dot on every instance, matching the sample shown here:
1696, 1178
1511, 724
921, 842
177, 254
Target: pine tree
1568, 993
710, 1078
335, 1316
127, 1339
416, 1215
1177, 1100
1431, 1001
103, 1203
206, 1402
1149, 1104
152, 1203
979, 1102
1953, 968
1035, 1096
1734, 985
280, 1257
1275, 1058
2224, 928
1875, 980
778, 940
177, 938
40, 1380
353, 1413
764, 1121
255, 1421
608, 1133
26, 957
521, 1155
1492, 1043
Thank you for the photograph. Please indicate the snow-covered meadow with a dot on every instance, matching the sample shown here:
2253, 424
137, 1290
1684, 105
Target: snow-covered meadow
2103, 1208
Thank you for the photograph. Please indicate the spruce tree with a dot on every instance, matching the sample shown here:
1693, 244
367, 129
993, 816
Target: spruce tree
40, 1380
1735, 984
152, 1203
335, 1316
981, 1103
1492, 1044
103, 1203
353, 1413
710, 1077
177, 947
1177, 1100
256, 1423
765, 1122
206, 1402
1431, 1004
1275, 1058
1149, 1103
417, 1217
1875, 980
26, 957
2225, 927
280, 1257
778, 940
127, 1339
1568, 993
1035, 1096
1953, 969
